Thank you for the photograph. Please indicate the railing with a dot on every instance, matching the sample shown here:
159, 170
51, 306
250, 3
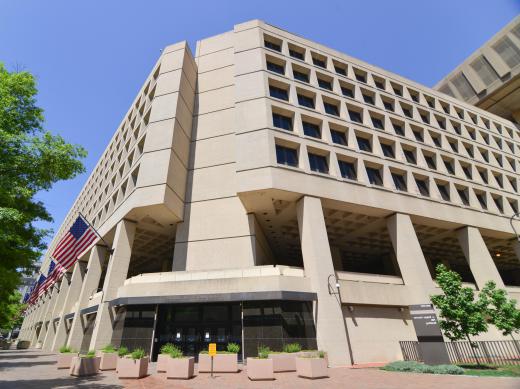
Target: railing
498, 352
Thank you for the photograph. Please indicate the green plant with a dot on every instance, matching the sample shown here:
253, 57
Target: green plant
233, 348
175, 352
447, 369
292, 348
167, 348
138, 353
109, 349
417, 367
90, 354
122, 351
263, 352
66, 349
321, 354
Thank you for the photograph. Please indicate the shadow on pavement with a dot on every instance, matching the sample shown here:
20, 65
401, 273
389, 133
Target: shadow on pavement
4, 365
62, 383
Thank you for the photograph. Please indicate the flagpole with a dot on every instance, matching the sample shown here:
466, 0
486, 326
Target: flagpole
110, 250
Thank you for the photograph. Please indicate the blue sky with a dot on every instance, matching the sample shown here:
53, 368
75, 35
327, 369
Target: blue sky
91, 57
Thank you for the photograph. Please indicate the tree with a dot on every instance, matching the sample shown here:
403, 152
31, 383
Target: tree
461, 316
11, 315
31, 160
500, 310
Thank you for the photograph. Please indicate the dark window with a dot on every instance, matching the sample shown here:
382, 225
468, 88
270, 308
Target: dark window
442, 123
347, 91
399, 130
399, 182
425, 118
407, 112
296, 54
355, 116
430, 161
306, 101
485, 155
388, 105
449, 167
422, 185
324, 84
281, 121
498, 203
431, 103
374, 176
467, 171
415, 97
388, 150
498, 179
482, 200
483, 175
274, 67
300, 76
377, 123
469, 150
338, 137
446, 108
340, 70
319, 62
418, 136
456, 127
347, 170
444, 191
512, 181
272, 46
331, 109
368, 99
436, 140
453, 146
286, 156
514, 205
318, 163
279, 93
379, 84
364, 144
460, 114
410, 156
361, 77
398, 91
311, 129
463, 194
472, 134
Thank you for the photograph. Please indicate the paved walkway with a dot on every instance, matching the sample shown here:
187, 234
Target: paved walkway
35, 369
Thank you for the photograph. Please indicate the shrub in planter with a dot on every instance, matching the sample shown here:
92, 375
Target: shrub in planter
23, 344
223, 362
312, 365
286, 360
85, 365
163, 357
65, 357
108, 356
132, 365
179, 366
260, 368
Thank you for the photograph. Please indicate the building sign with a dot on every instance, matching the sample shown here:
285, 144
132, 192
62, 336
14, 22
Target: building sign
431, 343
212, 349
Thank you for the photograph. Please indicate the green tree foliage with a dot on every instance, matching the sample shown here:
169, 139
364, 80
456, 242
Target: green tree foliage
500, 310
31, 160
461, 315
11, 312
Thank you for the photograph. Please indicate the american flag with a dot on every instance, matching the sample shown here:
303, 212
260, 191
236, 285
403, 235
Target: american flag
37, 291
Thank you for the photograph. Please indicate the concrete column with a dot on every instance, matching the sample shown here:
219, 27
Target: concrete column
410, 258
56, 312
331, 332
90, 284
38, 317
72, 296
117, 271
479, 259
49, 305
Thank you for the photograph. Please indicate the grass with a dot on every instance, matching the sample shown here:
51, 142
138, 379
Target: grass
492, 371
465, 369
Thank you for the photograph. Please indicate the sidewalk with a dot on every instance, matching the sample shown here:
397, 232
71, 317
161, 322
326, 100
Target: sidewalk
36, 369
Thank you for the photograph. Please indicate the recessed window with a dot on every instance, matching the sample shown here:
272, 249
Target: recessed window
364, 144
319, 61
355, 116
467, 170
388, 150
380, 84
471, 133
325, 84
499, 181
498, 203
418, 135
374, 176
430, 101
274, 67
377, 123
296, 52
483, 175
407, 111
469, 150
514, 205
388, 105
463, 194
360, 76
272, 45
340, 69
460, 113
286, 156
436, 139
300, 76
398, 89
331, 109
414, 95
410, 156
422, 185
347, 91
282, 121
305, 101
445, 107
311, 129
399, 182
430, 161
484, 154
398, 128
453, 144
441, 122
347, 170
449, 166
369, 99
444, 191
512, 181
481, 197
425, 117
279, 93
318, 163
338, 137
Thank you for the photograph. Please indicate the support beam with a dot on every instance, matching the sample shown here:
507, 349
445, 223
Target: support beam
331, 332
47, 312
63, 287
117, 271
479, 259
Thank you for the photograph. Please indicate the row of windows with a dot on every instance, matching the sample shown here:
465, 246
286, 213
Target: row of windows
352, 72
388, 147
348, 169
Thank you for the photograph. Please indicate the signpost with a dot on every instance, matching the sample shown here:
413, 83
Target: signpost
212, 351
431, 343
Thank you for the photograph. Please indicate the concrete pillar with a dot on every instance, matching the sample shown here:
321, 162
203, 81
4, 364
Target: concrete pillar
410, 258
117, 271
479, 259
51, 301
63, 287
90, 284
38, 317
331, 332
72, 296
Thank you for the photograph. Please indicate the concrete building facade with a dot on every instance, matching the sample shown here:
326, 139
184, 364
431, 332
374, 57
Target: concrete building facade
270, 190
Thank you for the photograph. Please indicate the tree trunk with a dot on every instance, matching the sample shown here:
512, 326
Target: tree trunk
473, 350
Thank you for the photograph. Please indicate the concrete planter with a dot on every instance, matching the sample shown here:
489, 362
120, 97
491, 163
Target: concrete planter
23, 344
108, 361
132, 368
311, 367
284, 361
222, 363
65, 360
162, 359
83, 367
260, 369
180, 368
5, 344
